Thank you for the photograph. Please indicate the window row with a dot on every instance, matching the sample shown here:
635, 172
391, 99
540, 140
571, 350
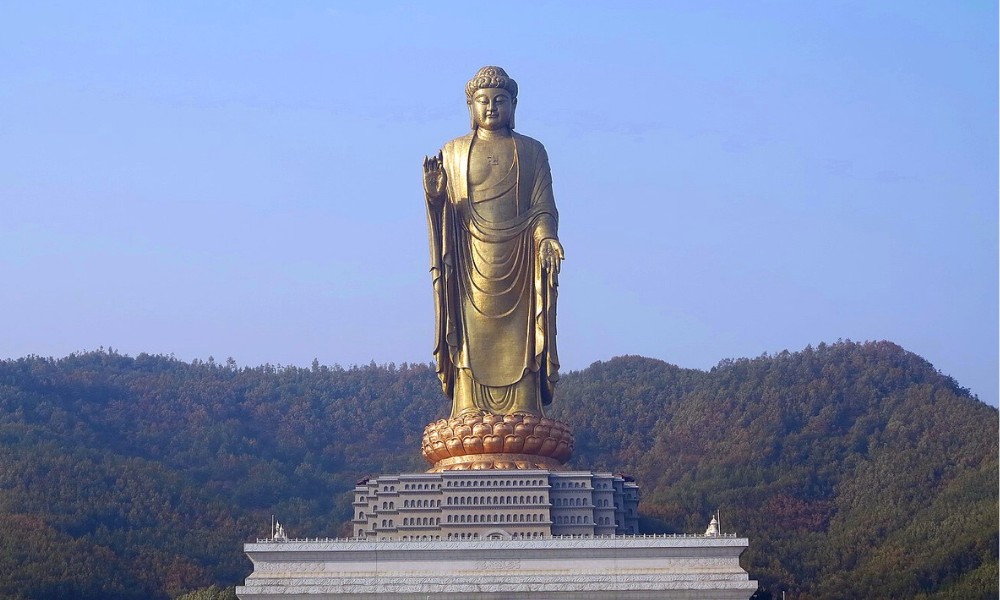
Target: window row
475, 536
600, 503
571, 502
573, 521
422, 486
421, 503
494, 483
519, 518
420, 521
494, 500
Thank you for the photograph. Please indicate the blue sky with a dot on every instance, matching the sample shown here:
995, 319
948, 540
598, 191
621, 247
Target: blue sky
242, 179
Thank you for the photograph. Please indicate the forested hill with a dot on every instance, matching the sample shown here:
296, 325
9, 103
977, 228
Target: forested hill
856, 470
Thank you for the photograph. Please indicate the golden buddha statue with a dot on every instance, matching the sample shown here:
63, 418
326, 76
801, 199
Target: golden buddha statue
495, 258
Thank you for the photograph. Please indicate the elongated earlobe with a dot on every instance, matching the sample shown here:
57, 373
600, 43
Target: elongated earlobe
513, 109
472, 116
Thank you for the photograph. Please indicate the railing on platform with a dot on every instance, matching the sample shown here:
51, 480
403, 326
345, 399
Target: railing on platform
545, 538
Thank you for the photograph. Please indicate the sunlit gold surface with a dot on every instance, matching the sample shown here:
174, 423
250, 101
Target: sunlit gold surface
483, 441
495, 259
507, 462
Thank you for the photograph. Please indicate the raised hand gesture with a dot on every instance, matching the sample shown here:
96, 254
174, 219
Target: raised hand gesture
435, 179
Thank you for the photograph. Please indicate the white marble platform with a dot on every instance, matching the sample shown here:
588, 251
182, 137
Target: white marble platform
621, 567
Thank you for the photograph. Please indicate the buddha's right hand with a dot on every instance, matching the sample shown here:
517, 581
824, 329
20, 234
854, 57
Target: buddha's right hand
435, 179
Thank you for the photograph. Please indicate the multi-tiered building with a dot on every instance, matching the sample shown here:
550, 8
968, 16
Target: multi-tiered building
488, 504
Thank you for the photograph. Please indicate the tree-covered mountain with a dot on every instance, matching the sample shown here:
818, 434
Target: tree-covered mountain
856, 470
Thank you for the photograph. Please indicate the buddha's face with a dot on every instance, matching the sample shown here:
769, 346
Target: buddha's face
492, 108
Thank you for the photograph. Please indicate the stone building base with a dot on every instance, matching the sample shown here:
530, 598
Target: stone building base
622, 567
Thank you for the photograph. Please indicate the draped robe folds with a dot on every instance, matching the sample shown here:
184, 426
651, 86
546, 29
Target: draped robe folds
495, 306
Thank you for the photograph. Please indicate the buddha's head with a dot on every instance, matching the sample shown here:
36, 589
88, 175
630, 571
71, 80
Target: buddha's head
492, 98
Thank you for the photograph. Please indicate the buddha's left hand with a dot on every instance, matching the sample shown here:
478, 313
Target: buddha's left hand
551, 253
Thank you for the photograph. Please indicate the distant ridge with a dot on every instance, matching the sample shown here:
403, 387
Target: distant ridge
856, 469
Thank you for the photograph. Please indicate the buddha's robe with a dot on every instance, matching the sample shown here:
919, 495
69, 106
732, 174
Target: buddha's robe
495, 343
